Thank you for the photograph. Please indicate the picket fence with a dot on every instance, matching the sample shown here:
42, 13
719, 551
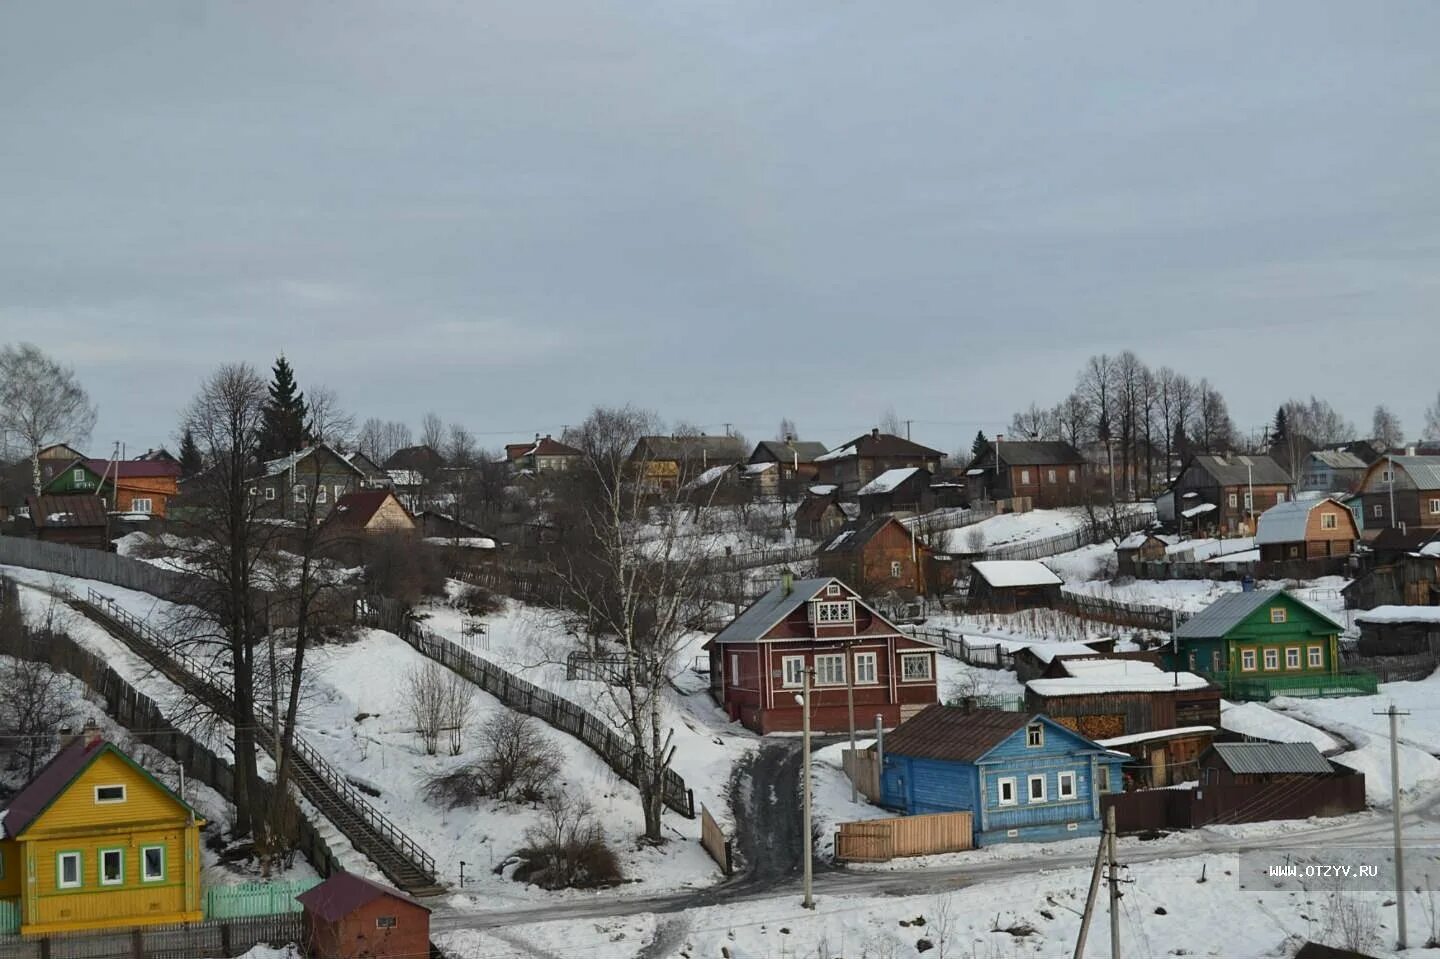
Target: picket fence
255, 899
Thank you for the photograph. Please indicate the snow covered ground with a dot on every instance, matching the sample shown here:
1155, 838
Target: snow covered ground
1166, 910
359, 719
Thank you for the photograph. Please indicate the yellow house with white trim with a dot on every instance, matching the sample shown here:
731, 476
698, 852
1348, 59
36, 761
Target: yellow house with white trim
94, 841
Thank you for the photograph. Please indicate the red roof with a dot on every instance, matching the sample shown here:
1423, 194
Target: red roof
343, 893
356, 510
545, 446
133, 469
48, 783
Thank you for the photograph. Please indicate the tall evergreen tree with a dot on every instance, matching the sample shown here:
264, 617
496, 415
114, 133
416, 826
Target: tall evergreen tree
1280, 432
191, 462
286, 427
981, 444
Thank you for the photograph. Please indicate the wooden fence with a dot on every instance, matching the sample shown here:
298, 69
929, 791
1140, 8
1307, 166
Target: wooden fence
1116, 612
956, 646
248, 899
1221, 570
138, 713
1297, 797
227, 937
862, 767
1086, 535
879, 840
111, 568
524, 696
716, 843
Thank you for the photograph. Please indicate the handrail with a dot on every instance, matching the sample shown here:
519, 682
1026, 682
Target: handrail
265, 719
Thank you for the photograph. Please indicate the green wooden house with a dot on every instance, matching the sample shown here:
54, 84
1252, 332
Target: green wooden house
1262, 643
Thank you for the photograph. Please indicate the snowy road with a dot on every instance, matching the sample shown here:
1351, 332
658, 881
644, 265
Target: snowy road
1421, 823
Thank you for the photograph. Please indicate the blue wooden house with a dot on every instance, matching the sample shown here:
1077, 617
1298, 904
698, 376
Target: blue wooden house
1022, 777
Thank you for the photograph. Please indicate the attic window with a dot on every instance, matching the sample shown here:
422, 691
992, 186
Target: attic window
1277, 614
109, 794
1034, 735
841, 612
832, 590
384, 922
79, 475
1328, 520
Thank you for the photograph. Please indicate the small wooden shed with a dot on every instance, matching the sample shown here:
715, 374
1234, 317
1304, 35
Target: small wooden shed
1006, 585
78, 519
350, 917
1399, 630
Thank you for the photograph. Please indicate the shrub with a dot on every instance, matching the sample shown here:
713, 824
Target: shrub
517, 763
566, 849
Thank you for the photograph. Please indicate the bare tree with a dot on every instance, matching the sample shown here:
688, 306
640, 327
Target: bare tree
33, 706
787, 430
459, 701
460, 447
1385, 428
330, 422
1097, 388
432, 431
890, 422
1034, 423
425, 691
1210, 426
41, 402
630, 580
1432, 419
1317, 421
225, 535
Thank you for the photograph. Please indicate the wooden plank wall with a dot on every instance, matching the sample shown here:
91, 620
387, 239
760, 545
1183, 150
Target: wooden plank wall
712, 837
863, 768
877, 840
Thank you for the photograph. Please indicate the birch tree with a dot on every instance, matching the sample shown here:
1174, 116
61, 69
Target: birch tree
41, 402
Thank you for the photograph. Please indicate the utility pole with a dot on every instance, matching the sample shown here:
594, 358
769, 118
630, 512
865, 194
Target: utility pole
1395, 715
1114, 883
809, 902
850, 709
1094, 891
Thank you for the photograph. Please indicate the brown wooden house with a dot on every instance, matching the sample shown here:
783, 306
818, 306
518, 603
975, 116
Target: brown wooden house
544, 454
821, 514
347, 917
905, 491
758, 662
1403, 569
878, 556
76, 520
1226, 484
794, 463
1049, 473
1104, 697
666, 462
859, 461
1163, 757
1306, 529
1255, 763
371, 512
1399, 631
1401, 491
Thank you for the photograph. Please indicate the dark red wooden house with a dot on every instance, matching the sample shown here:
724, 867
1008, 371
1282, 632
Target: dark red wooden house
758, 662
349, 917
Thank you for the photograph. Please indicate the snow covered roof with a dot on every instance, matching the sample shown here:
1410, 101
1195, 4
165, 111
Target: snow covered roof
1137, 540
887, 481
840, 539
754, 469
976, 472
711, 475
468, 542
1400, 614
840, 454
1197, 510
1005, 573
823, 489
1287, 522
1115, 676
1156, 734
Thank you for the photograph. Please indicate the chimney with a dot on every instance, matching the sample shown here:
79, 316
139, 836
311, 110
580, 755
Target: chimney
875, 432
67, 736
90, 733
1409, 451
787, 581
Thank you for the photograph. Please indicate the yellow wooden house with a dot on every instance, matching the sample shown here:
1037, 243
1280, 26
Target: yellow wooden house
94, 841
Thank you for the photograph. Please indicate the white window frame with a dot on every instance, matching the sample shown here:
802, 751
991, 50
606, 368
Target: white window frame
299, 492
79, 880
1315, 657
254, 491
785, 663
145, 874
142, 504
1247, 661
322, 495
1377, 511
1234, 501
897, 569
1387, 476
1435, 506
827, 666
1249, 503
1329, 521
1279, 497
1024, 477
867, 669
1072, 474
339, 490
269, 492
833, 590
907, 658
1050, 475
1271, 658
834, 613
385, 922
119, 880
108, 802
1066, 785
734, 669
1030, 782
1035, 732
1279, 615
1000, 785
1292, 657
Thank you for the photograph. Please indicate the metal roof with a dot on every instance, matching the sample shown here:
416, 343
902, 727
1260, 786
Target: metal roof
344, 892
1238, 470
1272, 758
1034, 453
1227, 612
770, 609
1287, 522
951, 732
1338, 459
68, 510
1424, 471
783, 452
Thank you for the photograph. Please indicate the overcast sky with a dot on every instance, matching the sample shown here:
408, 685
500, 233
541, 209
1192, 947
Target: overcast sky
725, 211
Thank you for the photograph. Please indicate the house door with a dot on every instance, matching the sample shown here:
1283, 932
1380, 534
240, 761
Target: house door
1157, 767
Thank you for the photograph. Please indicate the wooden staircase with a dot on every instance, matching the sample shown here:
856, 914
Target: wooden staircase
370, 831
